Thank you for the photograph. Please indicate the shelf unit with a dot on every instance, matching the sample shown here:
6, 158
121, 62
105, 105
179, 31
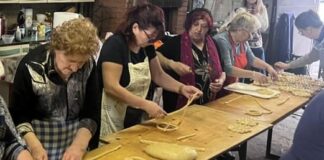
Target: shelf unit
44, 1
13, 51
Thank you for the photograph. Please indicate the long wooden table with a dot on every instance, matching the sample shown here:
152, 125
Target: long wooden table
240, 104
210, 126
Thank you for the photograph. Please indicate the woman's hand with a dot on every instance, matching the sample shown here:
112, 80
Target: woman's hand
259, 77
188, 91
24, 155
108, 34
279, 66
74, 152
154, 110
217, 84
38, 153
273, 73
180, 68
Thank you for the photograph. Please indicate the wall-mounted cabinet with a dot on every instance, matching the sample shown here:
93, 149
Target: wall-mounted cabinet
32, 1
59, 1
13, 51
83, 0
9, 1
68, 1
43, 1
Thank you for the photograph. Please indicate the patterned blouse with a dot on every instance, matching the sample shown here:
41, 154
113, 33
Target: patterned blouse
10, 142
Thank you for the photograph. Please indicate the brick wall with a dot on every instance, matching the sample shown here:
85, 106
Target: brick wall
180, 17
109, 13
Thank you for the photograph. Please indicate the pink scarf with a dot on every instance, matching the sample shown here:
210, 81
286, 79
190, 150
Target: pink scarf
187, 58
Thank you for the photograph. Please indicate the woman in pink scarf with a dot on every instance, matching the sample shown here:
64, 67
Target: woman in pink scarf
192, 58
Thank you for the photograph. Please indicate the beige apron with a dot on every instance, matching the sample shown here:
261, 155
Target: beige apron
113, 111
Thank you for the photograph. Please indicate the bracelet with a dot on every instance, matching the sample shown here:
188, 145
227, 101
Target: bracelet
180, 89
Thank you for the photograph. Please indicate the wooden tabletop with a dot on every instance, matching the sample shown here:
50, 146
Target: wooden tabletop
209, 125
239, 104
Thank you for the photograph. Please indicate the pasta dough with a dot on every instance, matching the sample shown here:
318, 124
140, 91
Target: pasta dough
168, 151
243, 125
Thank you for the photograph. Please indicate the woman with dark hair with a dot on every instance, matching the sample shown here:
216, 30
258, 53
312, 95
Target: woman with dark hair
236, 53
127, 63
309, 25
195, 50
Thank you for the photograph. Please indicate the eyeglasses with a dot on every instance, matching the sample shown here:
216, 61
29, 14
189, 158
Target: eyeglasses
149, 39
301, 31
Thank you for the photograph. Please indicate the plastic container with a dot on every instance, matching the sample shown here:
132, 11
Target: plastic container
40, 18
7, 38
18, 34
3, 25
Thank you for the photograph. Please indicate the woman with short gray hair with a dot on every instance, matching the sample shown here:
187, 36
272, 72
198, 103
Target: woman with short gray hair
236, 54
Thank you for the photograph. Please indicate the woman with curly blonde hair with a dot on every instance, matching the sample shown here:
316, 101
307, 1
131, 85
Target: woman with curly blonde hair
55, 94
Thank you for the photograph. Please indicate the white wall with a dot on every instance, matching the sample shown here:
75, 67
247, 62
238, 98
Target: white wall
220, 9
301, 45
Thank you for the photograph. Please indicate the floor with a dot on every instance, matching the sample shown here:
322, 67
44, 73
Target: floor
283, 133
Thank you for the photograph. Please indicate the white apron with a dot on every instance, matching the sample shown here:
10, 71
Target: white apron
113, 111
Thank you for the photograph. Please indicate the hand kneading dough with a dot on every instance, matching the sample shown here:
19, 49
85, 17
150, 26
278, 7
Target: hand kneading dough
167, 151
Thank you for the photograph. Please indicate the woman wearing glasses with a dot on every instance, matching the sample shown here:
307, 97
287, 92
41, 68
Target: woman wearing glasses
309, 25
196, 51
236, 53
127, 64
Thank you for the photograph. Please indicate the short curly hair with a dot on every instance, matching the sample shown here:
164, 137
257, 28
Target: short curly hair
77, 36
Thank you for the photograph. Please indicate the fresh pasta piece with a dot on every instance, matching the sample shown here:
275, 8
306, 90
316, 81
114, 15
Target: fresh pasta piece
254, 113
301, 93
166, 127
247, 121
238, 128
264, 91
